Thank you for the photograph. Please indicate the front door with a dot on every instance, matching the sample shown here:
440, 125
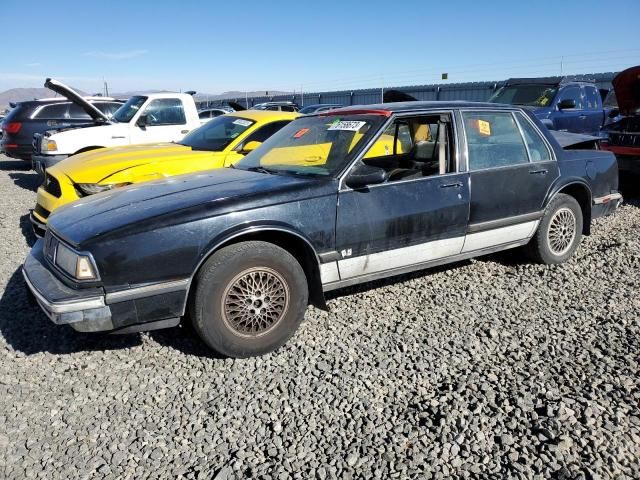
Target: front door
570, 119
511, 171
417, 216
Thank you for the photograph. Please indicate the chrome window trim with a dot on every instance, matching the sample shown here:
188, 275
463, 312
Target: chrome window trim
392, 118
522, 137
550, 151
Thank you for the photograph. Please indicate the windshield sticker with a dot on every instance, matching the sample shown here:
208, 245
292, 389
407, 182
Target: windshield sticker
242, 122
300, 132
347, 125
484, 128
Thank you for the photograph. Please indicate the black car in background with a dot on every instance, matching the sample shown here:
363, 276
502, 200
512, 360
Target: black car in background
38, 116
331, 200
319, 107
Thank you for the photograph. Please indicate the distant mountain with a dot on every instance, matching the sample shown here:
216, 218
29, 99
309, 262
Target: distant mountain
202, 96
24, 94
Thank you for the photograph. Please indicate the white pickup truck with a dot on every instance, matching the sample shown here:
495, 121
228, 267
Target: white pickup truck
151, 118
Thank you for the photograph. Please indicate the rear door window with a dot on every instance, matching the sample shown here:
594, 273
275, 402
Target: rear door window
591, 98
493, 140
165, 111
76, 112
56, 111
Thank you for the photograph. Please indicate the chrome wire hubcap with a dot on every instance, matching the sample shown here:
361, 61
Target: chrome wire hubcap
562, 231
255, 301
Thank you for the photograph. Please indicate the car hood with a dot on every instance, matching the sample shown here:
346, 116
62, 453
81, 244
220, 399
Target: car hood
180, 200
76, 98
97, 166
627, 88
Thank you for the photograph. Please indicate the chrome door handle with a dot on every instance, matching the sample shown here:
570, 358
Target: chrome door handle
451, 185
542, 171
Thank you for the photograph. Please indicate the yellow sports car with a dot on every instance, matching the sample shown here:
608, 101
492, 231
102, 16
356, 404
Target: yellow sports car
218, 143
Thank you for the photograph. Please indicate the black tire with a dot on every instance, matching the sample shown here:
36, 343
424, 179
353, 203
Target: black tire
220, 314
554, 242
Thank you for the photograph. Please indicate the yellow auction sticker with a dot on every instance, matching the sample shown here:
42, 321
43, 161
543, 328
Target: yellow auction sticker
484, 127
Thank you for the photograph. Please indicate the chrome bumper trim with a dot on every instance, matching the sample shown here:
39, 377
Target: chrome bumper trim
608, 198
63, 307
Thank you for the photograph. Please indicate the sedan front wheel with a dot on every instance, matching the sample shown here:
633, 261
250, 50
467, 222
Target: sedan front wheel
250, 298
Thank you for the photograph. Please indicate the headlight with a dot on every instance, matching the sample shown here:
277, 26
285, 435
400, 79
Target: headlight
76, 265
93, 188
48, 145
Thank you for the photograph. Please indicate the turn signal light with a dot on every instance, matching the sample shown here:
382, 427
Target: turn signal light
12, 127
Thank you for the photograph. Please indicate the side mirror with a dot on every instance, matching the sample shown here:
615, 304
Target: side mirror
364, 175
143, 121
566, 104
614, 113
250, 147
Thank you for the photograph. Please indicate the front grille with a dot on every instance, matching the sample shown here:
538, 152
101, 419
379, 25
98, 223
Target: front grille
50, 244
43, 212
624, 139
52, 186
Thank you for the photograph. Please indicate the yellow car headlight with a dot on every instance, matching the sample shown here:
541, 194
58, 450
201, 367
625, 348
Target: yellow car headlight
85, 189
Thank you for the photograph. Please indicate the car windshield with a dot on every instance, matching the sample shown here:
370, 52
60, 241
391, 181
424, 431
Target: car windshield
217, 134
527, 95
126, 112
315, 146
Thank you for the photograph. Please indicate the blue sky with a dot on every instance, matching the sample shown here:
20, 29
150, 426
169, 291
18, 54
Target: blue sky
217, 46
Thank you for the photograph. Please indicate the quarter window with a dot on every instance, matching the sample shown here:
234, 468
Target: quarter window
165, 111
57, 111
538, 151
493, 140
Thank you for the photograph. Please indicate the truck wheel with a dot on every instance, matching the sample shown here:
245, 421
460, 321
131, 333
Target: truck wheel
559, 232
250, 298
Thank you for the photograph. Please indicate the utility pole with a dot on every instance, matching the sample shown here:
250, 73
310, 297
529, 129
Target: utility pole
382, 91
246, 98
301, 96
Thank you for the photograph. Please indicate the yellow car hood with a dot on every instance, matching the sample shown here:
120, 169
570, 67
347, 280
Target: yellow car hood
134, 163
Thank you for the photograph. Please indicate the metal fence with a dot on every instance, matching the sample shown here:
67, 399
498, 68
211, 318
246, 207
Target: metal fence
472, 91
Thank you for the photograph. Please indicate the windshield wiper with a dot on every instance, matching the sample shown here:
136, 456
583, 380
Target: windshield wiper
262, 169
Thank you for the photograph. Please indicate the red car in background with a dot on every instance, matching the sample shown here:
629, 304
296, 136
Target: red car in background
623, 135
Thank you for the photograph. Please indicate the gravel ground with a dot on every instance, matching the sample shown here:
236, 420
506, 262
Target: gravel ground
490, 368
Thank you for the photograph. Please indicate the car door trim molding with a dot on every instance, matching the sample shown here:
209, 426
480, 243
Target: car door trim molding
147, 291
504, 222
414, 257
326, 287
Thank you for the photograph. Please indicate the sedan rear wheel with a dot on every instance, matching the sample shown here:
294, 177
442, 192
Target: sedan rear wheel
559, 232
249, 299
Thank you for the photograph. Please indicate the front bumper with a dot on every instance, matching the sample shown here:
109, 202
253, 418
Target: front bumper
85, 310
40, 163
92, 309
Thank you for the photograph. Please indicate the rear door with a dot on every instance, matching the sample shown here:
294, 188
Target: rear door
511, 170
166, 122
418, 215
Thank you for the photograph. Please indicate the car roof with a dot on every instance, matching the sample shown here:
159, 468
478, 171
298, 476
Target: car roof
264, 115
555, 81
398, 107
